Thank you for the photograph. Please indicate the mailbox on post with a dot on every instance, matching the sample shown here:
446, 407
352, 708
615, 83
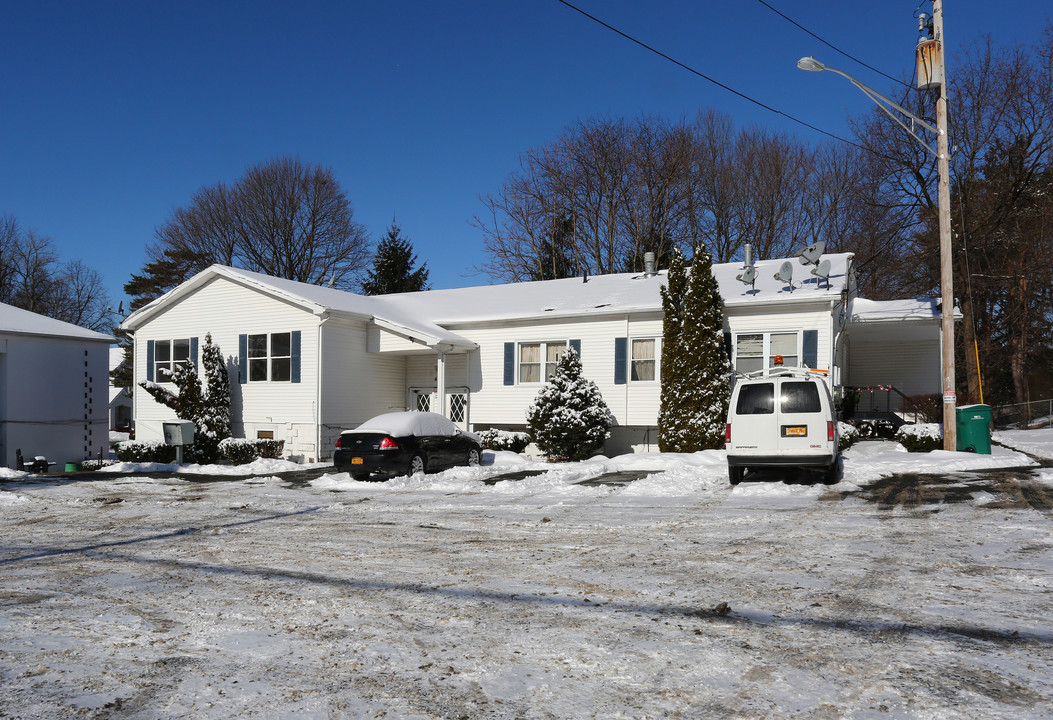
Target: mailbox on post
178, 433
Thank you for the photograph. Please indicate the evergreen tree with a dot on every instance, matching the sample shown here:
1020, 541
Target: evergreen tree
393, 267
695, 365
214, 421
568, 419
208, 410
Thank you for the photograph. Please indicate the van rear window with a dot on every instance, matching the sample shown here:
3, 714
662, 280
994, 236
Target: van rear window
800, 397
756, 399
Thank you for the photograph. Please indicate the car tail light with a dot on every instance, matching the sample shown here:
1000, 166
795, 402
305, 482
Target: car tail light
829, 430
339, 441
727, 433
388, 444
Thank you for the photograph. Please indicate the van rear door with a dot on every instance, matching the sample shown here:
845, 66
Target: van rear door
802, 423
755, 419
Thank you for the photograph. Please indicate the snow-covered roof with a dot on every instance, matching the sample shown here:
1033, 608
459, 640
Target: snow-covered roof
313, 298
423, 315
23, 322
614, 294
882, 311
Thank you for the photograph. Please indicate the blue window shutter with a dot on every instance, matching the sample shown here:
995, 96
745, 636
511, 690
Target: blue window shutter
150, 360
810, 352
576, 344
621, 346
295, 376
510, 363
727, 344
193, 353
243, 357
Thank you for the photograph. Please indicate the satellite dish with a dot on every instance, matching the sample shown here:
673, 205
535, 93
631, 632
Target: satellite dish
785, 274
748, 275
810, 255
822, 271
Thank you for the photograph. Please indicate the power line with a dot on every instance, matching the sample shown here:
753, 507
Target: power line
832, 46
702, 75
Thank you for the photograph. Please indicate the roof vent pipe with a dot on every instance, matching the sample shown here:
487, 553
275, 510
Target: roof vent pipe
648, 264
748, 251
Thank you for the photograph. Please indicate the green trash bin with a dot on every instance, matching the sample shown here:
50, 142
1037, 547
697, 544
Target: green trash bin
974, 428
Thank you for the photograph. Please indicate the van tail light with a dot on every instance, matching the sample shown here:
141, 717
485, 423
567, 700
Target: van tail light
829, 430
388, 444
727, 434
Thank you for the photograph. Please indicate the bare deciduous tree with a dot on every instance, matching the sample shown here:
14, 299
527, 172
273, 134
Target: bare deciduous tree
33, 278
284, 218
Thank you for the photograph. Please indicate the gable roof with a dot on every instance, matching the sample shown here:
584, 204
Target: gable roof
23, 322
315, 299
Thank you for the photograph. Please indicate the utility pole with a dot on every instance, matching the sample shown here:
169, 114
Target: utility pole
950, 429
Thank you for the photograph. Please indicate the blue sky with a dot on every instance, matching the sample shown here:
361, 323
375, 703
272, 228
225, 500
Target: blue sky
114, 113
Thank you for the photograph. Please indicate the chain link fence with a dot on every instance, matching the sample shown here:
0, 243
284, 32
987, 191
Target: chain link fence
1024, 416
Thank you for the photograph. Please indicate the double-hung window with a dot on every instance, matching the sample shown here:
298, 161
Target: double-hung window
270, 357
537, 361
169, 354
643, 361
756, 351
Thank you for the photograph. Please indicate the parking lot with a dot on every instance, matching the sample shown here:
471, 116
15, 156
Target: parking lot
576, 592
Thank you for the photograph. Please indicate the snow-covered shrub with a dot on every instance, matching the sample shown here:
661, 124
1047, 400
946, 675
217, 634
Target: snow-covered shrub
93, 465
569, 419
494, 439
923, 437
240, 451
145, 451
847, 435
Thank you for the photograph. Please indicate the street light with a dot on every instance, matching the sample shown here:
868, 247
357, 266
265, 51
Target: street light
950, 433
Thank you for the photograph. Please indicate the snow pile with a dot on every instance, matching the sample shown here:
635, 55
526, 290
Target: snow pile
1034, 442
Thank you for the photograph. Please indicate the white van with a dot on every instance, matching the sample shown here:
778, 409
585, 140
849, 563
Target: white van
782, 417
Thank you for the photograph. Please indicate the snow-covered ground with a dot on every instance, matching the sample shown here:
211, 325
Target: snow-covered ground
463, 595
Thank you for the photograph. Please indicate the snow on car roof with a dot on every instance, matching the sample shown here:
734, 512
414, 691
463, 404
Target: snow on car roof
401, 424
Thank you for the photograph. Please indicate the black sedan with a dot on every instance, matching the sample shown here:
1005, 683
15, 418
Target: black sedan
404, 443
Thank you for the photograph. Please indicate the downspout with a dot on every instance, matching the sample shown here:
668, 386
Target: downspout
324, 318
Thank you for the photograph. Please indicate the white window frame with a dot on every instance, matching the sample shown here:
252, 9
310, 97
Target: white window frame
545, 366
656, 344
767, 356
266, 359
163, 369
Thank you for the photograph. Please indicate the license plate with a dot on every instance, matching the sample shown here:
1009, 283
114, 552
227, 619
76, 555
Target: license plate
356, 461
795, 431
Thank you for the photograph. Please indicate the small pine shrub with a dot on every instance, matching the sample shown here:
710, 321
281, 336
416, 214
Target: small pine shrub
924, 437
145, 451
241, 451
504, 440
568, 419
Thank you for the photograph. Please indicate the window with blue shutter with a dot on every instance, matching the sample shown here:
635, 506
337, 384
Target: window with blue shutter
620, 359
510, 363
295, 375
243, 354
810, 351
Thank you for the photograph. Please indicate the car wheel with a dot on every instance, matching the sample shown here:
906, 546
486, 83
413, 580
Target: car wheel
832, 474
416, 465
735, 474
473, 457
